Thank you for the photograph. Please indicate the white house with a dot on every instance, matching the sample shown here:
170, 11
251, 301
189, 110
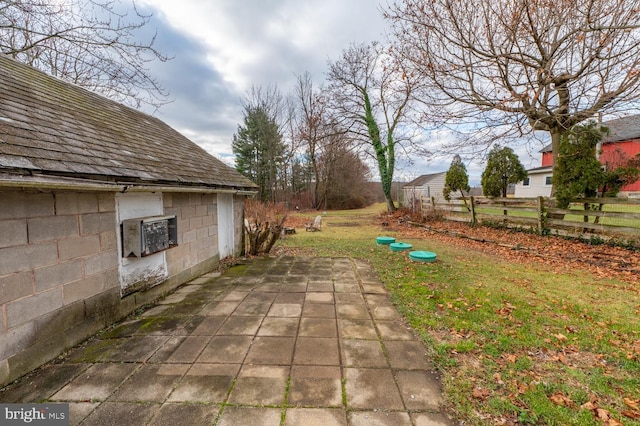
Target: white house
421, 189
537, 184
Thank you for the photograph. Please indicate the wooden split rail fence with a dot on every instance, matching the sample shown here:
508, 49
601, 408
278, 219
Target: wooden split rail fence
610, 217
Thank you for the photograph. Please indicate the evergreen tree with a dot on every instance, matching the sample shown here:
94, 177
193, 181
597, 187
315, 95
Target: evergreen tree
259, 150
503, 168
456, 179
579, 172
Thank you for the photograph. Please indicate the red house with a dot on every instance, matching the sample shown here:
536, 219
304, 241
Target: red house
622, 143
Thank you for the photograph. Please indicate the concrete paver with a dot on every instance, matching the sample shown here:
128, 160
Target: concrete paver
282, 341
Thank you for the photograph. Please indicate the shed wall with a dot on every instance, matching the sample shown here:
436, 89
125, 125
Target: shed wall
59, 257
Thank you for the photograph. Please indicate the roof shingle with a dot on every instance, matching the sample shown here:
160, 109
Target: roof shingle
51, 127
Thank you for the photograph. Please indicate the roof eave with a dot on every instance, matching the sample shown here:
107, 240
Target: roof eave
14, 180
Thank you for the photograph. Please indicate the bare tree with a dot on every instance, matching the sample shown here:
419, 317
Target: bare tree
371, 93
309, 128
345, 183
92, 43
533, 64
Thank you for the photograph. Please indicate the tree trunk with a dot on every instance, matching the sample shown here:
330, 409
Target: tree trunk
556, 137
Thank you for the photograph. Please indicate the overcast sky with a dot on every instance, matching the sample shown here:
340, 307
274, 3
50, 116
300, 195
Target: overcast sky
223, 47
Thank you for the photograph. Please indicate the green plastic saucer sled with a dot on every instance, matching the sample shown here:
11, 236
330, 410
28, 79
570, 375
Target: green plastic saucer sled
399, 246
422, 256
385, 240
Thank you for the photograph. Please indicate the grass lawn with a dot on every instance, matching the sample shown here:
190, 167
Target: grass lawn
513, 342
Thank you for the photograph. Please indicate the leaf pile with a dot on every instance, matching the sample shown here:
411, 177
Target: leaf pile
603, 260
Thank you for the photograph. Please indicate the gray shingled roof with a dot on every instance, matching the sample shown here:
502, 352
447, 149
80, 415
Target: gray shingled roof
620, 129
53, 128
421, 180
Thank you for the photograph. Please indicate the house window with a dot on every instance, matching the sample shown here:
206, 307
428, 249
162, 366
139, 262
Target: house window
547, 180
526, 182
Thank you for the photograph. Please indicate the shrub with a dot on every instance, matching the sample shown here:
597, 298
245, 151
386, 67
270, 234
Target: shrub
263, 225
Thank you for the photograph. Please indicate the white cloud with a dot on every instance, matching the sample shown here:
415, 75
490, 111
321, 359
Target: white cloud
221, 48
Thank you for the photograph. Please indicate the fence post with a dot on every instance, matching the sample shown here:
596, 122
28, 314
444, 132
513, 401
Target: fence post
433, 203
540, 215
473, 210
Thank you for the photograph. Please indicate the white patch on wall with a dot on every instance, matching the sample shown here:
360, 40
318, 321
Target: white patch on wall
143, 272
225, 225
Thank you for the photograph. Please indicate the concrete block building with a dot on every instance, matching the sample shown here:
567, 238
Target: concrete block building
102, 210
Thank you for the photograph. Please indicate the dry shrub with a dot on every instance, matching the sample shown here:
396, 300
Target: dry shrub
263, 225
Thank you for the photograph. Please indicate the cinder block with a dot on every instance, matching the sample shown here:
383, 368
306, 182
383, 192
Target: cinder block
202, 210
208, 199
188, 237
26, 309
13, 232
23, 204
61, 319
80, 332
41, 351
16, 340
108, 241
188, 212
180, 199
167, 200
15, 286
207, 220
175, 211
24, 258
58, 274
52, 228
195, 223
101, 262
202, 233
105, 306
95, 223
71, 248
195, 199
111, 279
106, 202
83, 288
76, 203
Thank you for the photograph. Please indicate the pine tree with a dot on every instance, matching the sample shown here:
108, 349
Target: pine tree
456, 179
503, 168
259, 150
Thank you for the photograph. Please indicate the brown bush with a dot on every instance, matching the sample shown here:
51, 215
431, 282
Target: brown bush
263, 225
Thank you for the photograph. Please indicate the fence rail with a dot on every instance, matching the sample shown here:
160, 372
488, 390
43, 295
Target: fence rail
608, 217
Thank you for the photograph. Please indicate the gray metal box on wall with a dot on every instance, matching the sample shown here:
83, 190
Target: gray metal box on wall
144, 236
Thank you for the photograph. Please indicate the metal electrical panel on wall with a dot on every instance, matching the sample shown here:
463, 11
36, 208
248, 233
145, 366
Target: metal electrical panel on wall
144, 236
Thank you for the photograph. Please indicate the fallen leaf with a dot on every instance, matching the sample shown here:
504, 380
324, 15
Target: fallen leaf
561, 337
631, 414
589, 406
602, 414
510, 358
480, 393
561, 399
498, 378
632, 403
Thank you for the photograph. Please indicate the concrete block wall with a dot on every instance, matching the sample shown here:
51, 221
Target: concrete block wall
59, 280
57, 250
197, 230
